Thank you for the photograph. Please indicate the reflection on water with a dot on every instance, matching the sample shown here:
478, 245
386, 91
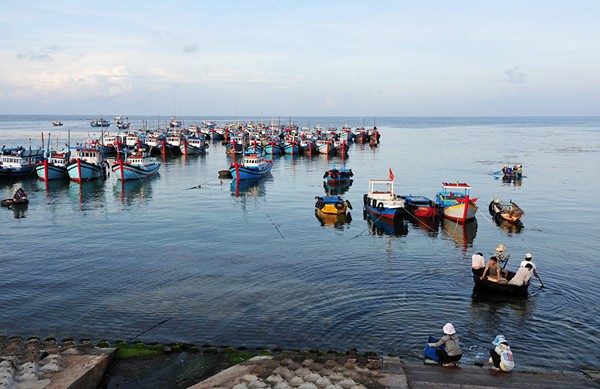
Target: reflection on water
337, 189
339, 221
431, 225
135, 191
89, 195
461, 233
248, 188
384, 226
510, 228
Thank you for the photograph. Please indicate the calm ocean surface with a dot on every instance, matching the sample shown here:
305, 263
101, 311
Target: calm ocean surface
102, 261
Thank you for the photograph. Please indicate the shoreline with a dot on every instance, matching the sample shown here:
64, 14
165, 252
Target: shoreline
49, 363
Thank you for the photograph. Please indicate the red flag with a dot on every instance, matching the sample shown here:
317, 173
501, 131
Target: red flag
391, 175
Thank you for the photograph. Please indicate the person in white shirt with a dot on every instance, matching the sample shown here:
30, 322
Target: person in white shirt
478, 262
522, 276
528, 259
501, 356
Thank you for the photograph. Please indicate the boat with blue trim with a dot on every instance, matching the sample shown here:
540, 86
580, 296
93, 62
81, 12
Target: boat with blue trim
136, 166
381, 200
456, 202
253, 166
19, 162
88, 164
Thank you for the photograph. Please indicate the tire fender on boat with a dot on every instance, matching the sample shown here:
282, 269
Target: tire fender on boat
380, 206
320, 204
348, 204
339, 205
365, 199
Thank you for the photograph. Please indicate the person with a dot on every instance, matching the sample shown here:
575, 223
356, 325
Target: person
522, 276
492, 269
503, 260
451, 353
19, 194
501, 356
477, 263
528, 260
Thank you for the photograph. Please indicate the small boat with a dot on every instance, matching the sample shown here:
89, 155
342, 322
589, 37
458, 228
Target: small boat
338, 177
88, 164
332, 205
136, 166
512, 172
174, 123
122, 122
57, 123
489, 285
455, 202
253, 166
19, 162
381, 200
99, 123
420, 206
13, 203
510, 211
329, 220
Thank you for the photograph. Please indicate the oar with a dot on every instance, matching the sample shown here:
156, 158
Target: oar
541, 281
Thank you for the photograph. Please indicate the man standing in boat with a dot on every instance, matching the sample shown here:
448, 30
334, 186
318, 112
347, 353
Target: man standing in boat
528, 260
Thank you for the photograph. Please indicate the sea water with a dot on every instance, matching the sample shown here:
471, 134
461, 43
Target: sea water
184, 256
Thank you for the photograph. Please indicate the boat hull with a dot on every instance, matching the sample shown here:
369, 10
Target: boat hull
332, 205
458, 213
135, 172
81, 171
17, 171
242, 172
51, 172
486, 286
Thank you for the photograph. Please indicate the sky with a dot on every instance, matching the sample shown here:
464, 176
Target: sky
300, 57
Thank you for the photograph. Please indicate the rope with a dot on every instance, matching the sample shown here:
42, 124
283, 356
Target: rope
200, 185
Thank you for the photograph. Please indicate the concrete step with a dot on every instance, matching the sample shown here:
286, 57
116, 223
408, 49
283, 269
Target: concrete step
472, 377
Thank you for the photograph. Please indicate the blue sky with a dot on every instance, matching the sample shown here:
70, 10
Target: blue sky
300, 58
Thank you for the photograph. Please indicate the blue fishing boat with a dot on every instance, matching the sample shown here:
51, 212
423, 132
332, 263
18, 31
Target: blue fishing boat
54, 167
88, 164
99, 123
338, 177
136, 166
254, 166
18, 162
382, 202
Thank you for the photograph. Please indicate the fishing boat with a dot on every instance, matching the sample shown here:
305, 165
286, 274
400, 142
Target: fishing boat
489, 285
194, 145
99, 123
332, 205
122, 122
455, 202
333, 220
136, 166
19, 162
54, 167
338, 177
57, 123
509, 212
254, 166
88, 164
381, 200
420, 206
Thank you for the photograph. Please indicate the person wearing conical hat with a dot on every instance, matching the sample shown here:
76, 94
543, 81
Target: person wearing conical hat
451, 353
502, 259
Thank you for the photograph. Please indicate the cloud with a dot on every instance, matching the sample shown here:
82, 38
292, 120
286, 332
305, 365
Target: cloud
514, 76
42, 55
